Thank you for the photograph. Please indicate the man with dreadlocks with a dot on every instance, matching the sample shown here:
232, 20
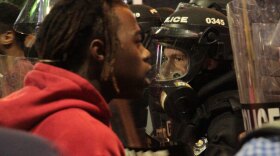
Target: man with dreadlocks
91, 52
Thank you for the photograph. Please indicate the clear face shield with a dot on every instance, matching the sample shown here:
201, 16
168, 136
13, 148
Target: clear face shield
29, 20
171, 63
171, 58
32, 15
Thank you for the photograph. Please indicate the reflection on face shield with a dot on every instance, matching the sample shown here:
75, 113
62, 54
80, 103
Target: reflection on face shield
174, 65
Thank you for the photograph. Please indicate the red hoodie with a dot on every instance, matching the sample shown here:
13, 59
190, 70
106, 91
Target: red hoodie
64, 108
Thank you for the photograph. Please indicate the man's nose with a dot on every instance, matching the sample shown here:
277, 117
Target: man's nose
167, 68
146, 55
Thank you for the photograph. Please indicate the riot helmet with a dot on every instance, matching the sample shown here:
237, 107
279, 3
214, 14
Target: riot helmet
147, 17
185, 39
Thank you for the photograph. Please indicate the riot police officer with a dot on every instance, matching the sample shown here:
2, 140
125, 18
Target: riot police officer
194, 98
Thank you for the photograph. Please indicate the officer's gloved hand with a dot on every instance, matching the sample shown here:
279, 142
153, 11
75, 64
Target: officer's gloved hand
191, 132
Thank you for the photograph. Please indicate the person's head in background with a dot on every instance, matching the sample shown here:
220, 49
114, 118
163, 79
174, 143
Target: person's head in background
147, 18
164, 12
98, 40
11, 43
12, 51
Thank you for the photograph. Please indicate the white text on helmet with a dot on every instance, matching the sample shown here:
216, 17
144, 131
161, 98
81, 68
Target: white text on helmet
137, 15
153, 11
218, 21
176, 19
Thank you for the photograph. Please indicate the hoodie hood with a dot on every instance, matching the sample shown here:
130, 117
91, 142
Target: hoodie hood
47, 90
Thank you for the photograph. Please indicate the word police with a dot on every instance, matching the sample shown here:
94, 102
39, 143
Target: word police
176, 19
183, 19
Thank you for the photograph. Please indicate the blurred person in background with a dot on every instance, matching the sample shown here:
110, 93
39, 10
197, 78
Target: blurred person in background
164, 12
11, 43
13, 66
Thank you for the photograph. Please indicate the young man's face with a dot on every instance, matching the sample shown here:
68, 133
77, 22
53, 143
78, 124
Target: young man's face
130, 67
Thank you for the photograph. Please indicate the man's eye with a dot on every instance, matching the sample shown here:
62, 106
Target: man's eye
139, 39
179, 58
142, 37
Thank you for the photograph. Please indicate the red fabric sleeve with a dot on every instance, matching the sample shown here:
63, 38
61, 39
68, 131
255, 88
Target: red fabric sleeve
76, 133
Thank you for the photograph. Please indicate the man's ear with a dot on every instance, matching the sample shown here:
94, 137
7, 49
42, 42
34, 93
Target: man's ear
29, 40
97, 50
7, 38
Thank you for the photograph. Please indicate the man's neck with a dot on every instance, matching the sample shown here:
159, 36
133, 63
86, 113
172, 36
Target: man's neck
14, 51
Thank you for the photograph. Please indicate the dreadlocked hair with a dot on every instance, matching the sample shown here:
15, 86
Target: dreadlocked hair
67, 31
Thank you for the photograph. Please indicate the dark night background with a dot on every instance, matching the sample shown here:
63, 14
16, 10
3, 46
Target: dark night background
152, 3
163, 3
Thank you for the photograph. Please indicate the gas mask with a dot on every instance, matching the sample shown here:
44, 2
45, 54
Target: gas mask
172, 98
173, 70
